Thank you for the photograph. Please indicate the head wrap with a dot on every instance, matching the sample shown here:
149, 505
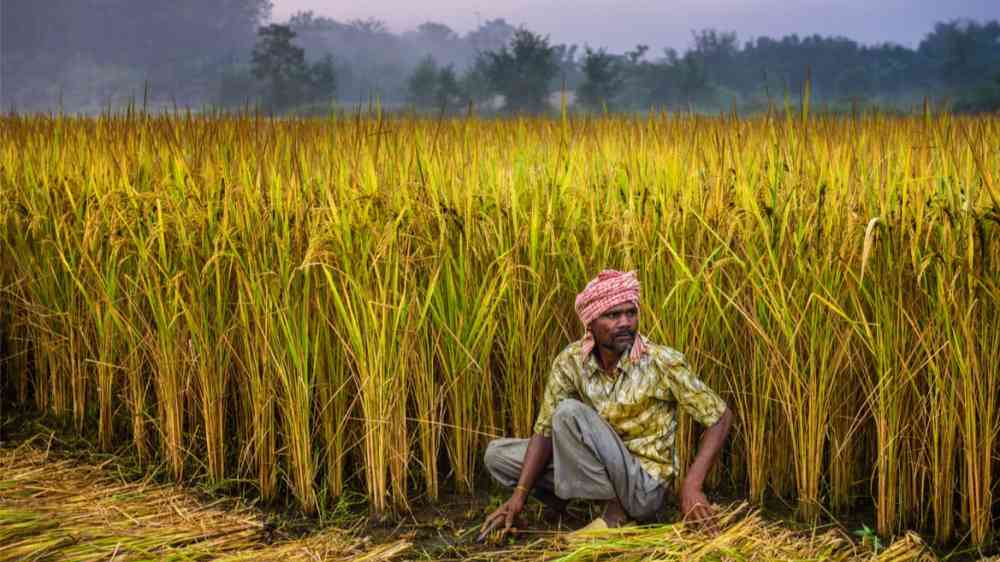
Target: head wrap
609, 289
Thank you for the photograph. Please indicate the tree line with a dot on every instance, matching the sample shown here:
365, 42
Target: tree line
90, 53
957, 61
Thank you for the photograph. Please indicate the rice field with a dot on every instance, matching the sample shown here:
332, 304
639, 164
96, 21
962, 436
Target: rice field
314, 306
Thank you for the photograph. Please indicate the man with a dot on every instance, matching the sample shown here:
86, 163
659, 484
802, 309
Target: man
608, 419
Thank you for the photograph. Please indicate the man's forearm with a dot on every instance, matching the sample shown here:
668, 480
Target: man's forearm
536, 458
711, 443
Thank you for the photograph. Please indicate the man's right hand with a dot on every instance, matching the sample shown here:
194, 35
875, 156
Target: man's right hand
535, 459
504, 515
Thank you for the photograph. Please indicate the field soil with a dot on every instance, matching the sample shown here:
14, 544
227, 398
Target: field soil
62, 500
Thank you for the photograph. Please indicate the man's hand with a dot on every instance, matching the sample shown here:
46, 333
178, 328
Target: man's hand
535, 459
504, 515
696, 507
694, 504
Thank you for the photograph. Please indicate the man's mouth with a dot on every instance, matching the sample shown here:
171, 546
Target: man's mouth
624, 336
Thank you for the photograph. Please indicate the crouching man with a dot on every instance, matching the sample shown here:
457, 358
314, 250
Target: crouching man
605, 429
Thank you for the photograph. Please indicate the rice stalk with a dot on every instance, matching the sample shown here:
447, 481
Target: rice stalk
462, 311
373, 319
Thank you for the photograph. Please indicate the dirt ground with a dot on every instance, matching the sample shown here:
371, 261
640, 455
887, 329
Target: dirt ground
60, 505
61, 500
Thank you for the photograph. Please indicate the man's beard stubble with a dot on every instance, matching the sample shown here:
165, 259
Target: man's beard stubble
620, 344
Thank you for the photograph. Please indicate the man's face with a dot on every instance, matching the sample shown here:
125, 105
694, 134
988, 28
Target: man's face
615, 329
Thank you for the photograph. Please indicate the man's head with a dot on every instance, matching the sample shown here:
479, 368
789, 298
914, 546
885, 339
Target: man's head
609, 308
616, 328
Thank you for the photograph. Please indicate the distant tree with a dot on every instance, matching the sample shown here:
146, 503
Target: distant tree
985, 99
368, 27
282, 66
785, 62
672, 80
304, 21
523, 71
635, 55
436, 33
434, 87
567, 67
694, 79
716, 52
422, 85
448, 92
669, 80
603, 79
892, 69
963, 53
652, 83
322, 80
474, 84
490, 36
856, 81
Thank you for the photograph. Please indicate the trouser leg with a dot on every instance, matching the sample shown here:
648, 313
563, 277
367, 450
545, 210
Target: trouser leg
504, 459
591, 462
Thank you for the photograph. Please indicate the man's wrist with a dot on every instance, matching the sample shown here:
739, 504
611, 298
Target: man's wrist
521, 491
692, 484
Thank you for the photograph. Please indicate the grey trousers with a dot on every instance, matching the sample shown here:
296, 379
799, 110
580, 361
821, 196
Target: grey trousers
589, 461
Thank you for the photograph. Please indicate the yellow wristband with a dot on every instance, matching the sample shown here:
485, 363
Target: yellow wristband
520, 487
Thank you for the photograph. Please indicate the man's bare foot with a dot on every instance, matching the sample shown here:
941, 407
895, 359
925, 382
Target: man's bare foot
614, 514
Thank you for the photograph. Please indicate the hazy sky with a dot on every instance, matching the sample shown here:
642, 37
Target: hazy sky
620, 24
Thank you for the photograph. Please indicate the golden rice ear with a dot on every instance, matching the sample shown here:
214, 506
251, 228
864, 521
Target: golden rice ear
869, 243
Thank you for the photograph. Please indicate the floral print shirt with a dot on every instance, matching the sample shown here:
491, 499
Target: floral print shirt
639, 400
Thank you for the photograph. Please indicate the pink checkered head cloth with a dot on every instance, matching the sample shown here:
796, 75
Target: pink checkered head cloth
609, 289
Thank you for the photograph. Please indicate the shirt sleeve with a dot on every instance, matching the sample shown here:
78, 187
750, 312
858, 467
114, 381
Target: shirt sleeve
558, 387
692, 395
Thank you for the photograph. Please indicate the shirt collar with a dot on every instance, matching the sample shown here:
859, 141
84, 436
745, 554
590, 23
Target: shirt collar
591, 365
